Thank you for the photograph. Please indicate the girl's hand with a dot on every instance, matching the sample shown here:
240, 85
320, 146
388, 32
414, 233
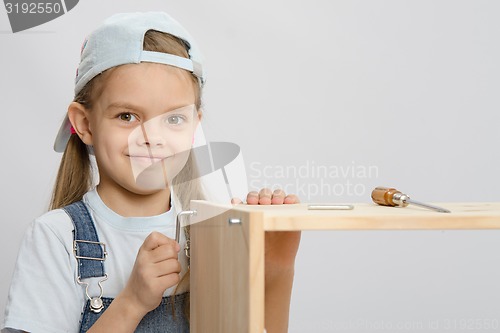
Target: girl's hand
280, 250
281, 246
156, 269
266, 197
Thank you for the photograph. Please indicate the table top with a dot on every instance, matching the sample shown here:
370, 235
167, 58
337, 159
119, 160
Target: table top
367, 216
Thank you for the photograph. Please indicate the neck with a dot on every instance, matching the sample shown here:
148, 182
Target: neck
130, 204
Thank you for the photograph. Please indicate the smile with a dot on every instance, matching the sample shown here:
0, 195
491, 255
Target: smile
149, 159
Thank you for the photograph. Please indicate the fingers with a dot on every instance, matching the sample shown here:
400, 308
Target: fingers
268, 197
156, 239
164, 252
166, 267
278, 197
253, 198
263, 197
291, 199
169, 280
157, 248
156, 268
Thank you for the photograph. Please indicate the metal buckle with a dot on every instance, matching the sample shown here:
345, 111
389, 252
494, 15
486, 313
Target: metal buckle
104, 253
96, 304
186, 249
178, 231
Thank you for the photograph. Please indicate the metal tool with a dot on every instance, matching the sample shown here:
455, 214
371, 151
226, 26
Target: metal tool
330, 207
388, 196
178, 223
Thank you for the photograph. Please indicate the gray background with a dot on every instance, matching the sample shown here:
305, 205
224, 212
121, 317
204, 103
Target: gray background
406, 89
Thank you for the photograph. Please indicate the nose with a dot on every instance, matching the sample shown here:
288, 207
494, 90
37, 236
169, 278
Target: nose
152, 134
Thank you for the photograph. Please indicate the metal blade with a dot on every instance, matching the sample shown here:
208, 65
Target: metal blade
421, 204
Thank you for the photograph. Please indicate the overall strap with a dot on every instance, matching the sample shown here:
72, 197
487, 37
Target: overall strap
89, 252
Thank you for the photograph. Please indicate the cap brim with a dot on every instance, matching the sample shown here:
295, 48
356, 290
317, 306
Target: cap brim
63, 136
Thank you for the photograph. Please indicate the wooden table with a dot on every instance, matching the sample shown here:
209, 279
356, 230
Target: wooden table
227, 249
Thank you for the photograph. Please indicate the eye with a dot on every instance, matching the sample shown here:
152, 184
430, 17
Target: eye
175, 120
127, 117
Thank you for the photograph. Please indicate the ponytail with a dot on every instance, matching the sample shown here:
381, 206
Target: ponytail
74, 177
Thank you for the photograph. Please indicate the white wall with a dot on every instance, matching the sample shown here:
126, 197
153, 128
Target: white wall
405, 93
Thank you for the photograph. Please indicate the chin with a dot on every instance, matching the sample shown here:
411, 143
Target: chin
159, 173
145, 189
149, 181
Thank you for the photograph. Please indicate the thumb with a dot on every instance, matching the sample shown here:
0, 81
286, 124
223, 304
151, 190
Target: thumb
236, 201
156, 239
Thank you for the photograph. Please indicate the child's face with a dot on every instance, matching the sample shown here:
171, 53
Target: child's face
142, 126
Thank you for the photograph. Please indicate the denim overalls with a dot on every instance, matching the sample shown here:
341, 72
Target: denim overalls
90, 254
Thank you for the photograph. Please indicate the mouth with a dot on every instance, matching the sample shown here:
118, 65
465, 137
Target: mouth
147, 158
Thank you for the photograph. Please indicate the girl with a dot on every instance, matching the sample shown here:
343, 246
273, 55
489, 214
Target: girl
104, 259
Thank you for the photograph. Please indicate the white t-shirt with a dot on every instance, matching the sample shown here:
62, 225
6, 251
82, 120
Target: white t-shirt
44, 296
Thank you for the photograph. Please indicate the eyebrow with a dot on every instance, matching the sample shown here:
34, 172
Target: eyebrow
128, 106
118, 105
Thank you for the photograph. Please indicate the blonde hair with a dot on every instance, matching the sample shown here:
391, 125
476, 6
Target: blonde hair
75, 175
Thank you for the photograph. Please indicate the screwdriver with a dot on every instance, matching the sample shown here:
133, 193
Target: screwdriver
388, 196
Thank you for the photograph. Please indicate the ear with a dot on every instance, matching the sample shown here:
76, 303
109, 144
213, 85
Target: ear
200, 114
78, 117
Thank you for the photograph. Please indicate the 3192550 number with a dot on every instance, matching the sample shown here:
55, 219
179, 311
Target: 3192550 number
33, 8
